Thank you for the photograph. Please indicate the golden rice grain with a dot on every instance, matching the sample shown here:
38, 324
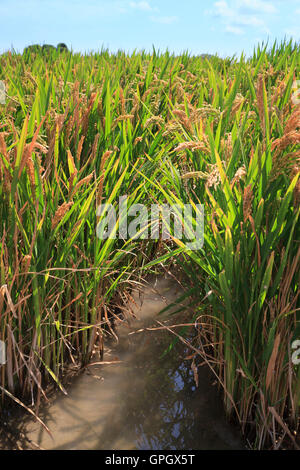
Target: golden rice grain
154, 120
199, 145
247, 202
240, 174
214, 178
85, 180
25, 263
260, 100
292, 138
293, 122
137, 140
60, 213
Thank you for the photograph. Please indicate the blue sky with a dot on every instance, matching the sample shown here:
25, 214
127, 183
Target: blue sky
223, 26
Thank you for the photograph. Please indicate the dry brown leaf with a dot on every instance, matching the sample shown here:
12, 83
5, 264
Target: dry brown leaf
271, 365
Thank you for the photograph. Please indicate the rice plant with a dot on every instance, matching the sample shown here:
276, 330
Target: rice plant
76, 131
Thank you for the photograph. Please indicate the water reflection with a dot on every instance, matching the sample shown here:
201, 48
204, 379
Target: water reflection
149, 401
160, 406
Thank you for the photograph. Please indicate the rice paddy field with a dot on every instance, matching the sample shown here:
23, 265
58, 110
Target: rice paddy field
80, 130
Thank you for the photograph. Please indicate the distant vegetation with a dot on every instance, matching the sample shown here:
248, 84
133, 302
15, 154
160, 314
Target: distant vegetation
61, 47
79, 130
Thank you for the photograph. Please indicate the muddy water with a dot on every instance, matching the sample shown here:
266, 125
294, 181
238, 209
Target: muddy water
147, 401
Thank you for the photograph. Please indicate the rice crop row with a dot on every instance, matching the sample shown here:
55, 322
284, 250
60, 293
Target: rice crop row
80, 130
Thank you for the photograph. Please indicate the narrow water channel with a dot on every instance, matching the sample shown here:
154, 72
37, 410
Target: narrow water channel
146, 401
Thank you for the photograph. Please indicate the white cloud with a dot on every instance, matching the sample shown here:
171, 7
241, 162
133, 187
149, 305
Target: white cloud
249, 21
234, 30
141, 5
259, 6
222, 9
164, 19
236, 14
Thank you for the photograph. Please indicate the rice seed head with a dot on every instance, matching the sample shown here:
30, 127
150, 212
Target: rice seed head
191, 75
293, 122
247, 201
203, 113
280, 144
238, 101
122, 117
3, 149
214, 178
136, 105
85, 180
191, 145
137, 140
79, 148
227, 146
154, 120
172, 128
30, 172
278, 92
122, 101
296, 193
60, 213
240, 174
25, 157
95, 146
194, 174
284, 164
25, 263
260, 99
3, 170
86, 116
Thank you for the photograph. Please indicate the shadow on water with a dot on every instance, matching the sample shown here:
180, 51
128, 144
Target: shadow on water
148, 401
